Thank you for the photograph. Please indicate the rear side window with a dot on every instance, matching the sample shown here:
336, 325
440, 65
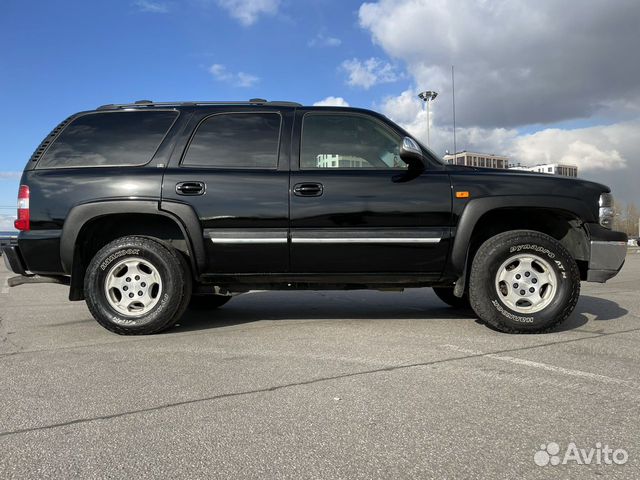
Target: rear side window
236, 140
109, 139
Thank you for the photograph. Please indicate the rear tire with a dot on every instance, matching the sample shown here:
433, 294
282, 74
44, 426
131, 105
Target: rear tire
137, 286
523, 281
446, 295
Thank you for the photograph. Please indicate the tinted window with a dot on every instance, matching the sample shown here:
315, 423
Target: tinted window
110, 138
348, 141
236, 140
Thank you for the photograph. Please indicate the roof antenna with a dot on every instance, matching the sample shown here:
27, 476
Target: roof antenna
453, 96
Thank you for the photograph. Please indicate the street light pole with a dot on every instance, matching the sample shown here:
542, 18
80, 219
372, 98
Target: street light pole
428, 97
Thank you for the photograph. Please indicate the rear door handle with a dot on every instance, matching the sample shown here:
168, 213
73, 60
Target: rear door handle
308, 189
190, 188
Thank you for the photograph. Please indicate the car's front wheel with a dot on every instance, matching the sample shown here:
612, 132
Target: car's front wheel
523, 281
136, 285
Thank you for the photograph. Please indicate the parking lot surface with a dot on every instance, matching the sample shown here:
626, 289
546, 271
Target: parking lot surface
319, 385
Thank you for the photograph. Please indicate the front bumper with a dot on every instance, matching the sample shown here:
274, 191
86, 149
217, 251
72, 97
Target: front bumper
608, 252
606, 260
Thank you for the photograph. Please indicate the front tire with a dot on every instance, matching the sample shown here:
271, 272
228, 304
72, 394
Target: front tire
523, 281
137, 286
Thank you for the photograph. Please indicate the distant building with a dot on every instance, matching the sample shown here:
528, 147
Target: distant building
550, 168
474, 159
340, 161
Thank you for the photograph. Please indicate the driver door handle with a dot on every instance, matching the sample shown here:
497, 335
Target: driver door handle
308, 189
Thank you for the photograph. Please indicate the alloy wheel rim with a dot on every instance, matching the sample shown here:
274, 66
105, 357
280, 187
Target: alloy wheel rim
133, 286
526, 283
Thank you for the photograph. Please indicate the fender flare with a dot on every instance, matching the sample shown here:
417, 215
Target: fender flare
476, 208
181, 214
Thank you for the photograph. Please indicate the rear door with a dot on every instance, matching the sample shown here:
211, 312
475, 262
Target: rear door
354, 209
233, 170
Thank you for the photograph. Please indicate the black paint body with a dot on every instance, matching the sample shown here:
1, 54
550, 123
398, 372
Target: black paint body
243, 202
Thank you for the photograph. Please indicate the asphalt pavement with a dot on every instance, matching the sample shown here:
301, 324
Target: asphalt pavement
357, 384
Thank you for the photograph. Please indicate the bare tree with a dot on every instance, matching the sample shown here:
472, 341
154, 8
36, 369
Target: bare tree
632, 214
626, 217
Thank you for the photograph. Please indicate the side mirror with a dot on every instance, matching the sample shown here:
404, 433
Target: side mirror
411, 154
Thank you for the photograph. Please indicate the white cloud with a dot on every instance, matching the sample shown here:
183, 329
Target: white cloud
10, 175
407, 110
331, 102
603, 153
524, 65
517, 63
321, 40
151, 6
248, 11
592, 149
370, 72
6, 222
239, 79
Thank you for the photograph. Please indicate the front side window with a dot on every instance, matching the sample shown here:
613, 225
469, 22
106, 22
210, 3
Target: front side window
236, 140
109, 139
332, 141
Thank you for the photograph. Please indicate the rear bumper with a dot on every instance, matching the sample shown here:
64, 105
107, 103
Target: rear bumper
608, 252
15, 263
13, 259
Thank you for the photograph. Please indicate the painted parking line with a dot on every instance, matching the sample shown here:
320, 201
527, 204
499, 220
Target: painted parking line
545, 366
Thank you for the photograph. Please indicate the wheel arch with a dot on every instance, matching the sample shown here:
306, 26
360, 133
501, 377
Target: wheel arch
559, 217
90, 226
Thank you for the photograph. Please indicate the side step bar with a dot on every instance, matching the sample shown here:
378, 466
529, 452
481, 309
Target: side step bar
22, 279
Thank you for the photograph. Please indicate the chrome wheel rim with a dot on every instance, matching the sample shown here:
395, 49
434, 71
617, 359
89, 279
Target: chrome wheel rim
526, 283
133, 286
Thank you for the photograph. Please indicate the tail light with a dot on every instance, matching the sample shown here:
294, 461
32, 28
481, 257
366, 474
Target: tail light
23, 222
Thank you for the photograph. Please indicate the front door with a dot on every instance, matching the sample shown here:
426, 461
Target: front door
234, 173
354, 209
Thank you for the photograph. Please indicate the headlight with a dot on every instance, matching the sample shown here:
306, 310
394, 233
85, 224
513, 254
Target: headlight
606, 210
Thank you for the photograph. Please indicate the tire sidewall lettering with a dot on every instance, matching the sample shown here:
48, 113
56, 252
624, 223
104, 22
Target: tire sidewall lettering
541, 250
509, 315
116, 255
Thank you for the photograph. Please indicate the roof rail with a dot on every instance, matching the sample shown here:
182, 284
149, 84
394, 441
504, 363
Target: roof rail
150, 103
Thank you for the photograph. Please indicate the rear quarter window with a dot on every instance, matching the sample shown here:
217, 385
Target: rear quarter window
109, 139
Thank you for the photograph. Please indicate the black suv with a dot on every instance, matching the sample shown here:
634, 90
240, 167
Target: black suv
145, 208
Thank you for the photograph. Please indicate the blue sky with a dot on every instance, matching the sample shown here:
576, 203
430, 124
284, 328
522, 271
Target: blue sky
87, 53
66, 56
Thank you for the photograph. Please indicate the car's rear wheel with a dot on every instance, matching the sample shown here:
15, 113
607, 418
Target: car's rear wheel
523, 281
446, 295
137, 285
208, 302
